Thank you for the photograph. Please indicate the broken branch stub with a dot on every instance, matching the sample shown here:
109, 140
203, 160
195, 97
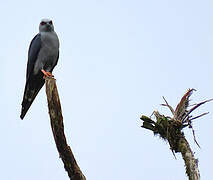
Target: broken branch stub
171, 130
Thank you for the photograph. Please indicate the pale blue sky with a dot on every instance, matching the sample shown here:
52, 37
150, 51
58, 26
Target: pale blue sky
117, 60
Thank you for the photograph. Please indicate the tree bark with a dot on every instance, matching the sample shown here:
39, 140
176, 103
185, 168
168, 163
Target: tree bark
190, 162
57, 125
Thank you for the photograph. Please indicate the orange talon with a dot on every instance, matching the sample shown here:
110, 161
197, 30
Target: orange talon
47, 74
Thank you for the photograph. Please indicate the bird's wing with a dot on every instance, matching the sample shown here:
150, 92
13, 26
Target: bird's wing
34, 49
34, 82
55, 63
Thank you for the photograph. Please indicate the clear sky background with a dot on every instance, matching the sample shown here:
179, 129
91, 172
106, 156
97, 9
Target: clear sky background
117, 60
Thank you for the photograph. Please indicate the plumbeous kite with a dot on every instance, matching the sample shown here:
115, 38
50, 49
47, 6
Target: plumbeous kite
42, 58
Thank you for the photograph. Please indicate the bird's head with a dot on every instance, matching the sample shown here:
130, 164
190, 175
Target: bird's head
46, 25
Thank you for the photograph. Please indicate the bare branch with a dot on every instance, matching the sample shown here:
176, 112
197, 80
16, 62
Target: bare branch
57, 125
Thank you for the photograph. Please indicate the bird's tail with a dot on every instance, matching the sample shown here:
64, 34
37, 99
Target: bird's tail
29, 96
25, 106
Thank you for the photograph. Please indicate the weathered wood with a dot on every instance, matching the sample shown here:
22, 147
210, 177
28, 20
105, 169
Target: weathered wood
57, 125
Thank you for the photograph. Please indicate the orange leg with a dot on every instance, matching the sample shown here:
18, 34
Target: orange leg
47, 74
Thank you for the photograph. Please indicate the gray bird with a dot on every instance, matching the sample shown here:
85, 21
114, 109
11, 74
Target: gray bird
43, 56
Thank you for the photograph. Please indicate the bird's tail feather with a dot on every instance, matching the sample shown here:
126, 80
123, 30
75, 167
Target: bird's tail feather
29, 96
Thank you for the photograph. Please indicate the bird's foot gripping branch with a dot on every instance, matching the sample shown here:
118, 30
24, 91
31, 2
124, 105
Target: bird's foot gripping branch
171, 130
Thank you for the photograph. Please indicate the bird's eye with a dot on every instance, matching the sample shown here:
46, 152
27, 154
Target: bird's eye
51, 22
42, 23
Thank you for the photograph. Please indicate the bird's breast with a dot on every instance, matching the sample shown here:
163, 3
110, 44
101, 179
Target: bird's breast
50, 41
48, 53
